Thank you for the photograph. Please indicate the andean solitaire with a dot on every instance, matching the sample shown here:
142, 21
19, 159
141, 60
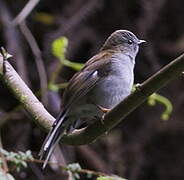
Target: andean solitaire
104, 81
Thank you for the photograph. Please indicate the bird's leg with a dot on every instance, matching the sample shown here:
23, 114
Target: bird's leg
138, 86
104, 110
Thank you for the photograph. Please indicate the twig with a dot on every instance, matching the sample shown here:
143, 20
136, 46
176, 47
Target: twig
55, 73
38, 59
70, 25
27, 157
25, 12
87, 10
13, 41
83, 171
111, 119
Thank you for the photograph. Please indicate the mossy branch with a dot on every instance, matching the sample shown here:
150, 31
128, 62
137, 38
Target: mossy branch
115, 116
24, 94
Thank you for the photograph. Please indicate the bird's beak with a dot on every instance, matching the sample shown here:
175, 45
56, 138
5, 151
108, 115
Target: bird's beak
141, 41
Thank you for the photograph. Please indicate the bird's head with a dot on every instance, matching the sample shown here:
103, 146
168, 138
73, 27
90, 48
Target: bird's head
124, 41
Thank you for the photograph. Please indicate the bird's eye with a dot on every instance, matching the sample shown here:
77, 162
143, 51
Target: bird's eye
130, 42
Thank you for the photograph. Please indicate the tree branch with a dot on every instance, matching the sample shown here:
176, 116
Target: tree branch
117, 114
111, 119
25, 11
25, 95
38, 60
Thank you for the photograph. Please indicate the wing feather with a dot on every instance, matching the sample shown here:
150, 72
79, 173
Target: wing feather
83, 81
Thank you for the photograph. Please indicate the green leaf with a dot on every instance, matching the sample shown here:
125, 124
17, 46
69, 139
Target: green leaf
74, 168
73, 65
110, 178
53, 87
89, 175
44, 18
18, 159
157, 98
59, 47
24, 164
164, 101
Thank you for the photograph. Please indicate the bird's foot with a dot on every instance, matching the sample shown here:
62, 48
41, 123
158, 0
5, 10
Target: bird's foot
104, 110
138, 86
102, 119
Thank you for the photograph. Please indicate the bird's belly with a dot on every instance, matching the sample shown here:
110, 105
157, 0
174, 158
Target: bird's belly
111, 91
107, 93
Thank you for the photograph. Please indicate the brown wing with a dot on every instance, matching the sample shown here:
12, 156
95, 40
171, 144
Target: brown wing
83, 81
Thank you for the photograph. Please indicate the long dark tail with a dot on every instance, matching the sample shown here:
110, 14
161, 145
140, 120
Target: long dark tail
53, 138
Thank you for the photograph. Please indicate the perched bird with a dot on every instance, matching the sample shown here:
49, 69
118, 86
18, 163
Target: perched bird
104, 81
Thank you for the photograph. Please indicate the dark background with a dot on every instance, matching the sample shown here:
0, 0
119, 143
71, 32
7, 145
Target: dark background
143, 146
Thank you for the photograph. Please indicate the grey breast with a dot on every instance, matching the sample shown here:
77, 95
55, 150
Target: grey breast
109, 91
117, 85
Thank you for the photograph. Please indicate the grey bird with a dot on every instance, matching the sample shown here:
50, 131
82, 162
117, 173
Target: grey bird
105, 80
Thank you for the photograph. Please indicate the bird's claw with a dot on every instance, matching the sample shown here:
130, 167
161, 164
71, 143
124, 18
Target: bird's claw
102, 118
138, 86
104, 110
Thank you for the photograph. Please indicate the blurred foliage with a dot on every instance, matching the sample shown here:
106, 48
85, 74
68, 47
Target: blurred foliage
53, 87
74, 169
44, 18
59, 47
156, 98
19, 159
110, 178
6, 176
